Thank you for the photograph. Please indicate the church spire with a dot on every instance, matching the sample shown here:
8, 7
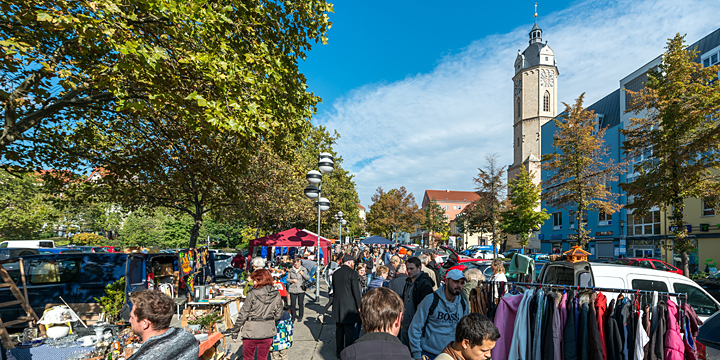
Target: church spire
536, 32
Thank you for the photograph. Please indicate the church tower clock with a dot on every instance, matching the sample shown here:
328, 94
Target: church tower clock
534, 100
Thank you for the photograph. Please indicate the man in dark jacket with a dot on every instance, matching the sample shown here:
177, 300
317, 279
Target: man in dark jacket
346, 303
381, 311
418, 285
398, 283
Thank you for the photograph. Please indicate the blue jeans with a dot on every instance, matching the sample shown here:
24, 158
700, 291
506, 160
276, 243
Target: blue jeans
236, 274
369, 277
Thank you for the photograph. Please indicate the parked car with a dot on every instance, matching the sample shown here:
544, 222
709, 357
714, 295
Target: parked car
708, 339
711, 284
27, 244
16, 252
509, 253
223, 266
588, 274
648, 264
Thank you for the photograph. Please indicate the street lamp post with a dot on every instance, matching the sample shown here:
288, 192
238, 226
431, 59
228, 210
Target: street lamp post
341, 222
314, 191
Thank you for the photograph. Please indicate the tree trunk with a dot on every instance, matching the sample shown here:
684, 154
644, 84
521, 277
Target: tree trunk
195, 231
685, 264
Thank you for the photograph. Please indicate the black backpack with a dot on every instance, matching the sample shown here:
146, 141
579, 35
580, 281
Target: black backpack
431, 311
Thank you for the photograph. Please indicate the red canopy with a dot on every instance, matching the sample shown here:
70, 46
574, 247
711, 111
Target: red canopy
292, 238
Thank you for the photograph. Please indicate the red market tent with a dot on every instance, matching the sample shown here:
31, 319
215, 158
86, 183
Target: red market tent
292, 238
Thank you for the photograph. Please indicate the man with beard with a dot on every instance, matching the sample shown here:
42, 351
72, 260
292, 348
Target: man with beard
433, 326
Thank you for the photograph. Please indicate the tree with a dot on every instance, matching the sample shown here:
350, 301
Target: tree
24, 207
580, 168
434, 220
237, 60
521, 215
491, 188
678, 129
392, 212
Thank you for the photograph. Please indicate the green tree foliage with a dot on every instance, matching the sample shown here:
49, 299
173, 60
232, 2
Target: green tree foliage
434, 220
580, 168
24, 209
88, 239
392, 212
677, 128
521, 214
114, 299
236, 60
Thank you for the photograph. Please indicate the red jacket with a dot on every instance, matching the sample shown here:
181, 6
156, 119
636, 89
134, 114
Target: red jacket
601, 308
238, 262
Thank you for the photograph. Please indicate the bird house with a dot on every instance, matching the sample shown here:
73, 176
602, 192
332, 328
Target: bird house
576, 254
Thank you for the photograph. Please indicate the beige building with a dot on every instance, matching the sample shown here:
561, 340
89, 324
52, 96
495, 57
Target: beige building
535, 103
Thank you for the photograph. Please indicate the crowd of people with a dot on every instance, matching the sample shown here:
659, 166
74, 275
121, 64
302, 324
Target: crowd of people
399, 301
405, 308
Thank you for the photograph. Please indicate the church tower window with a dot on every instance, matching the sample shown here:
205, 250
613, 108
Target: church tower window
517, 108
546, 101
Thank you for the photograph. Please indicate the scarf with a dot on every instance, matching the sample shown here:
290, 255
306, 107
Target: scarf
296, 270
452, 352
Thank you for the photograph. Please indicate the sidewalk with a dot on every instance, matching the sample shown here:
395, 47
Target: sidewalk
311, 339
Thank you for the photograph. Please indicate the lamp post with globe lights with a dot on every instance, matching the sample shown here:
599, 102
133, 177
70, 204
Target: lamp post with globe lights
314, 191
342, 222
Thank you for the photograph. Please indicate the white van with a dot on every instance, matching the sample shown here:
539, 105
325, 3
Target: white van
32, 244
628, 277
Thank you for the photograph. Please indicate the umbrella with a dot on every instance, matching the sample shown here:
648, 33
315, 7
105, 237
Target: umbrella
373, 240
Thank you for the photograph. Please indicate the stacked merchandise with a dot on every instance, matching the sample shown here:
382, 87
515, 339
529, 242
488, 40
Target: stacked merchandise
557, 322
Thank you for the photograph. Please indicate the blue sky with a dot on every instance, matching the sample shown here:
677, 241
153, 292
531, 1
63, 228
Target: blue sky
420, 91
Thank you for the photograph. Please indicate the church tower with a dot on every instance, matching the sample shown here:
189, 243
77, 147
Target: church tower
534, 101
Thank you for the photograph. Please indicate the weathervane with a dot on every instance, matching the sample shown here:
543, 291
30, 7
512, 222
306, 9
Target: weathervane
535, 13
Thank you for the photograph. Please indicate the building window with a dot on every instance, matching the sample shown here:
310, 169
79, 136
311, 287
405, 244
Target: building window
546, 101
706, 62
714, 59
557, 221
707, 210
648, 224
517, 108
446, 207
604, 218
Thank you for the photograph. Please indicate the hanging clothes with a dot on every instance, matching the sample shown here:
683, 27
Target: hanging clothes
596, 342
584, 343
547, 342
641, 338
519, 342
600, 309
559, 327
537, 326
505, 322
690, 327
570, 339
657, 336
674, 347
613, 342
628, 328
647, 327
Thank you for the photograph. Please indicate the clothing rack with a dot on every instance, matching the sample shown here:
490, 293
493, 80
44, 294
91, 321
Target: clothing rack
593, 288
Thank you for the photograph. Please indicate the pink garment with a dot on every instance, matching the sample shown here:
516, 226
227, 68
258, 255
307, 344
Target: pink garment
505, 322
674, 347
559, 318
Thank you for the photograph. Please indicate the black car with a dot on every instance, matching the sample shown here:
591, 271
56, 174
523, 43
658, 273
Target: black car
708, 339
711, 284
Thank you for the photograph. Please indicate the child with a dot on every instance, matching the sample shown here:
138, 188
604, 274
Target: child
284, 338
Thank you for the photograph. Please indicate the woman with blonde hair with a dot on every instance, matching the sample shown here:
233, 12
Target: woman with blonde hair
362, 276
498, 276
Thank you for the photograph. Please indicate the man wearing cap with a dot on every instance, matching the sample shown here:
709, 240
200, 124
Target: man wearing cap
433, 325
346, 303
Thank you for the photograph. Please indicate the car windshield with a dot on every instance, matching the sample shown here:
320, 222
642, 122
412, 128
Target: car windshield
715, 276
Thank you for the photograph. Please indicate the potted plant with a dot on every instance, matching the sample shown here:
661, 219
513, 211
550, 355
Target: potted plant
113, 300
203, 321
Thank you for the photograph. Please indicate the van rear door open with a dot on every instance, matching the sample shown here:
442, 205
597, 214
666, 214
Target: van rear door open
564, 273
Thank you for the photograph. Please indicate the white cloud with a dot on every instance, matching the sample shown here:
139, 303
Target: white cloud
433, 130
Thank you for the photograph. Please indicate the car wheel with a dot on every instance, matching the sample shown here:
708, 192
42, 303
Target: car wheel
228, 273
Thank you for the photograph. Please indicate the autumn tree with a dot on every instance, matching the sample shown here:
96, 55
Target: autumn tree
491, 188
392, 212
677, 127
237, 60
580, 168
522, 213
434, 220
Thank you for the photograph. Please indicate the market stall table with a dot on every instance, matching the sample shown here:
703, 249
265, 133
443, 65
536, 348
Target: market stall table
211, 343
43, 352
228, 306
